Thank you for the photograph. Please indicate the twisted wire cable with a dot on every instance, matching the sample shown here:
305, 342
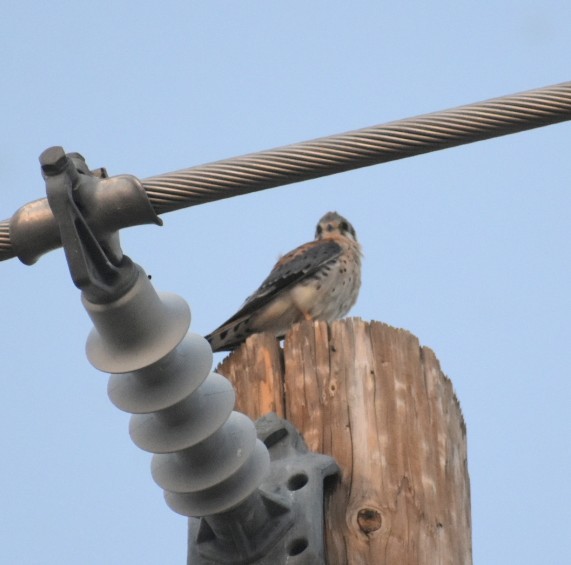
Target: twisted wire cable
351, 150
6, 251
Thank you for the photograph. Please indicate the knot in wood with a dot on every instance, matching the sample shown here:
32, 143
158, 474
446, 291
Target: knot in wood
369, 520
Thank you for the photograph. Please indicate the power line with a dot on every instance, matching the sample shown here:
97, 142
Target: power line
351, 150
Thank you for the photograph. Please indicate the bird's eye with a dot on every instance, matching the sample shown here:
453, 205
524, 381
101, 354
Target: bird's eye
319, 230
344, 226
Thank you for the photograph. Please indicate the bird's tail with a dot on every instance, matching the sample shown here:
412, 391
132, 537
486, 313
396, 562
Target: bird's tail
229, 335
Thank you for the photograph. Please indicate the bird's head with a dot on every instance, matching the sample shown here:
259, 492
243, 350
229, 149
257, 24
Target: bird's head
333, 224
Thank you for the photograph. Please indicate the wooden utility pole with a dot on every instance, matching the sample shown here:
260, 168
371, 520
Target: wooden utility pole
370, 396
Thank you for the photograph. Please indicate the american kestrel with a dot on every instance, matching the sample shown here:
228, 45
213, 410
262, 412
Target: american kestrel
319, 280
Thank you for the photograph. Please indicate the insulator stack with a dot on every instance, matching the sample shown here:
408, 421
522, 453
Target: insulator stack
207, 457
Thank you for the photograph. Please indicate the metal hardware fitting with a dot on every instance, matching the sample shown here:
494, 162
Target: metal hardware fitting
293, 494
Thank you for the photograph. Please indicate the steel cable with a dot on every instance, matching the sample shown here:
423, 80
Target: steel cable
351, 150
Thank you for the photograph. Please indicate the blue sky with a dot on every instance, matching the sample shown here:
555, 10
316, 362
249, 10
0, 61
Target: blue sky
466, 248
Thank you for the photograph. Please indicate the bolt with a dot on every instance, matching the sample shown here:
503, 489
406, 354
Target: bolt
53, 161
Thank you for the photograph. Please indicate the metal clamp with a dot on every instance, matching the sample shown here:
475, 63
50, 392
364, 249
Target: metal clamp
107, 205
292, 495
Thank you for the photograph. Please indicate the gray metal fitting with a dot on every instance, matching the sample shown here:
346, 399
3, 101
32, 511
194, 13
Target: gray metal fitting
109, 204
290, 529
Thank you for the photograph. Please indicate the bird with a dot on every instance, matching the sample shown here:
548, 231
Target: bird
319, 280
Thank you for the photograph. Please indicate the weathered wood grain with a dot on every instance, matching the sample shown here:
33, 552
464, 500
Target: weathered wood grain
373, 398
256, 371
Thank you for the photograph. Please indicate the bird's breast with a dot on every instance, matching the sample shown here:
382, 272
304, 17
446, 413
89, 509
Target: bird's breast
330, 292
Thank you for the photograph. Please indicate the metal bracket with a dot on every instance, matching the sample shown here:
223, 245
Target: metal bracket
93, 252
107, 204
293, 493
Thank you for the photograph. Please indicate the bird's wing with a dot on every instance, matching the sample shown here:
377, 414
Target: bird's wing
292, 268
